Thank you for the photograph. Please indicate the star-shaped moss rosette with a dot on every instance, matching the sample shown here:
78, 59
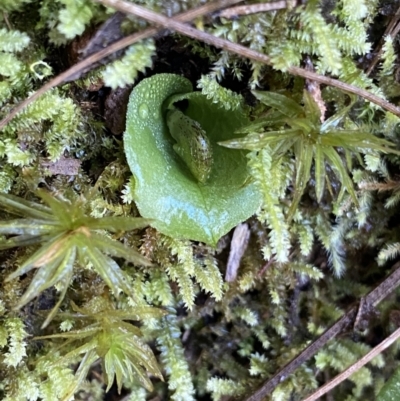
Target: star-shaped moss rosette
290, 127
67, 237
104, 333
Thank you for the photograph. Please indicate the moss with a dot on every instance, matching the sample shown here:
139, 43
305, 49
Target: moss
324, 236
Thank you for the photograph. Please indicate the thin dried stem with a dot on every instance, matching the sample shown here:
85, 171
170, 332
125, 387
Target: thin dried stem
247, 9
392, 29
389, 185
243, 51
372, 298
355, 367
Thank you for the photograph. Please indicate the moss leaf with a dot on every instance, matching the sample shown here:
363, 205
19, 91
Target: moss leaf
391, 390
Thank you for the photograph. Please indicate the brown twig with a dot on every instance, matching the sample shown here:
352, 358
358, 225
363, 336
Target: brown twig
266, 266
247, 9
243, 51
5, 16
372, 298
354, 368
121, 44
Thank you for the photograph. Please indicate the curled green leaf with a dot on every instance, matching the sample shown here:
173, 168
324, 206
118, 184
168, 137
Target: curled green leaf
166, 189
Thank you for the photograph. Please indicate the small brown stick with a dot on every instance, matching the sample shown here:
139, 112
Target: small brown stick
247, 9
390, 30
5, 16
121, 44
240, 240
355, 367
266, 266
373, 298
243, 51
314, 89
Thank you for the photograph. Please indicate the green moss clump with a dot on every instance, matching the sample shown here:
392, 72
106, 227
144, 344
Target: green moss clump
323, 237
